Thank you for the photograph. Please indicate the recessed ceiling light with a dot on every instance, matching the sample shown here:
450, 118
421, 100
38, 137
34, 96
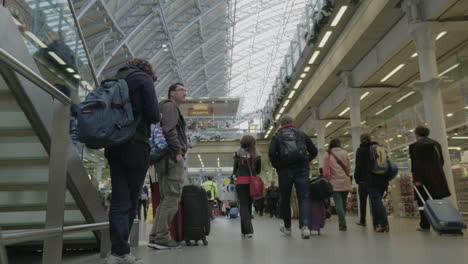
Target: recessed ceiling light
365, 95
339, 16
383, 110
303, 75
449, 114
441, 34
298, 83
344, 111
307, 69
314, 57
414, 55
325, 39
392, 72
291, 94
70, 70
328, 124
405, 96
449, 69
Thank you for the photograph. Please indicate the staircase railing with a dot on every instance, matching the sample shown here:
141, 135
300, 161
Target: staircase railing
54, 225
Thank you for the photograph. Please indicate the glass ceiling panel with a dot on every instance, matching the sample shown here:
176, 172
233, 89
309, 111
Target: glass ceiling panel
262, 35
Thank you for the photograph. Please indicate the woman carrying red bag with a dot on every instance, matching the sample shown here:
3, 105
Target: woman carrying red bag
247, 164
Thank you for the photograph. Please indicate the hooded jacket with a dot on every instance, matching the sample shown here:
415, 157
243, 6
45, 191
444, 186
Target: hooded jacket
173, 126
241, 168
143, 98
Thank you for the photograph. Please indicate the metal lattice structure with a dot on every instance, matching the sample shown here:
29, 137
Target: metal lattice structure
263, 31
185, 40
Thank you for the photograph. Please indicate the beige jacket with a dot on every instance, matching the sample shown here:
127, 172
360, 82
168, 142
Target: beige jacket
338, 178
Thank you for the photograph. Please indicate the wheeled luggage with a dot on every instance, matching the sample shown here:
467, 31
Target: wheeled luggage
442, 215
317, 215
196, 224
233, 212
177, 231
320, 188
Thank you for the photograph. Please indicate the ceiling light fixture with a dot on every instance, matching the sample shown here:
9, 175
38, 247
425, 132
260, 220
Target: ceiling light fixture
414, 55
449, 69
38, 41
392, 72
365, 95
16, 22
328, 124
277, 117
314, 57
346, 133
76, 76
449, 114
70, 70
459, 137
344, 111
383, 110
339, 16
307, 69
286, 103
441, 34
56, 57
455, 148
325, 39
303, 75
281, 110
291, 94
298, 83
405, 96
363, 122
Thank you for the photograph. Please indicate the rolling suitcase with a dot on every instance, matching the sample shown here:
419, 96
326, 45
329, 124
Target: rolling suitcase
196, 224
317, 215
177, 232
443, 216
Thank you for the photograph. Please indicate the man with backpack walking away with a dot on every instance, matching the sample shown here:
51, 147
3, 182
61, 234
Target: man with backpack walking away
128, 161
291, 151
272, 196
170, 168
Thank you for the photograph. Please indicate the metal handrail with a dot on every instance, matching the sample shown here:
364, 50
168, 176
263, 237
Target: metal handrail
35, 78
15, 238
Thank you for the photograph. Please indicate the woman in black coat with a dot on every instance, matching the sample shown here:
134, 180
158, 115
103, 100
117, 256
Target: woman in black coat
427, 164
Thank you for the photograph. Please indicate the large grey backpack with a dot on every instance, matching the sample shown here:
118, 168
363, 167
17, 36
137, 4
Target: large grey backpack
105, 117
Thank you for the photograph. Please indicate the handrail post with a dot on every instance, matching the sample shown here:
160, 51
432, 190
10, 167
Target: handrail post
57, 182
3, 254
105, 245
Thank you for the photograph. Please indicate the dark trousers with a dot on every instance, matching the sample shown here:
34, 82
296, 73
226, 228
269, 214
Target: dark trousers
259, 206
273, 207
378, 208
363, 194
143, 203
423, 222
128, 164
243, 192
300, 178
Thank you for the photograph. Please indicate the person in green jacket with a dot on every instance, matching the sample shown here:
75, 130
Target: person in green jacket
211, 189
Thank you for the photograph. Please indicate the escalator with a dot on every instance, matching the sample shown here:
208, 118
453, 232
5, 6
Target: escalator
26, 114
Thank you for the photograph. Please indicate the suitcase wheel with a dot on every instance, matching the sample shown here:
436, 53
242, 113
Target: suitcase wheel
188, 243
205, 243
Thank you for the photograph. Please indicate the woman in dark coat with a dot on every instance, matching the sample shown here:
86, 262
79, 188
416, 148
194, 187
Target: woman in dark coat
427, 164
247, 163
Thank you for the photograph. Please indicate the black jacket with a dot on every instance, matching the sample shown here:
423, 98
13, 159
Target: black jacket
274, 152
143, 97
241, 167
427, 161
364, 165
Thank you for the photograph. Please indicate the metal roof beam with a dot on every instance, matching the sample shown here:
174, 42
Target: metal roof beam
220, 71
201, 45
85, 8
198, 18
204, 66
123, 42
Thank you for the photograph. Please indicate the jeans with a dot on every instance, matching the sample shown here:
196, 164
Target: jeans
243, 192
378, 209
144, 204
272, 205
363, 193
340, 205
300, 178
171, 181
128, 164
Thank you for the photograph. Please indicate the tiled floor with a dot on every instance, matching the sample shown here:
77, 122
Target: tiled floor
358, 245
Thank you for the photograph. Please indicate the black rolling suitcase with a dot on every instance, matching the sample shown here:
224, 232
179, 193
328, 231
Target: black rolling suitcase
196, 214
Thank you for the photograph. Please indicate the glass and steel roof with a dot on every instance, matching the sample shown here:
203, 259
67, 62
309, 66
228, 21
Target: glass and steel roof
262, 31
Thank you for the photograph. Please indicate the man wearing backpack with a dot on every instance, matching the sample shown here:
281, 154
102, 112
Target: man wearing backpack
291, 151
170, 168
128, 162
211, 189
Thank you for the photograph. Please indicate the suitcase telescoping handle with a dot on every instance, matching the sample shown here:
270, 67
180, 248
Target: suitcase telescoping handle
419, 194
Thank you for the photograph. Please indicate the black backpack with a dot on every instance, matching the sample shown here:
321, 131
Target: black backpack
292, 146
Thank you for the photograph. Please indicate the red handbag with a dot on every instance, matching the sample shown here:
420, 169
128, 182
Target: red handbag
257, 186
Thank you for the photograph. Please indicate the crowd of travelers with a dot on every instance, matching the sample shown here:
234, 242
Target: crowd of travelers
290, 153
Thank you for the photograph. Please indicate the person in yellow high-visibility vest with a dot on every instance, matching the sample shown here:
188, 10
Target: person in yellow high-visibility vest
211, 189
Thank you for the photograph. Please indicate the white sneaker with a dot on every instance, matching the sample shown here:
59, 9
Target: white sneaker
248, 235
305, 232
284, 230
125, 259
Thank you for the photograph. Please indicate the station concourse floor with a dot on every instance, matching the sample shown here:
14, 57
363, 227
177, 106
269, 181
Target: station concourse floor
358, 245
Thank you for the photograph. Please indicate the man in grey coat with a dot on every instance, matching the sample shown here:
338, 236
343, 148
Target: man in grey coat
170, 169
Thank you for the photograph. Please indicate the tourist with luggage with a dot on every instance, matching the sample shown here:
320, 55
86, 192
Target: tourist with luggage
247, 164
290, 153
366, 170
128, 162
170, 168
336, 170
427, 163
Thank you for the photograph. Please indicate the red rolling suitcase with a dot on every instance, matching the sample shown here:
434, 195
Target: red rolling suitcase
177, 226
